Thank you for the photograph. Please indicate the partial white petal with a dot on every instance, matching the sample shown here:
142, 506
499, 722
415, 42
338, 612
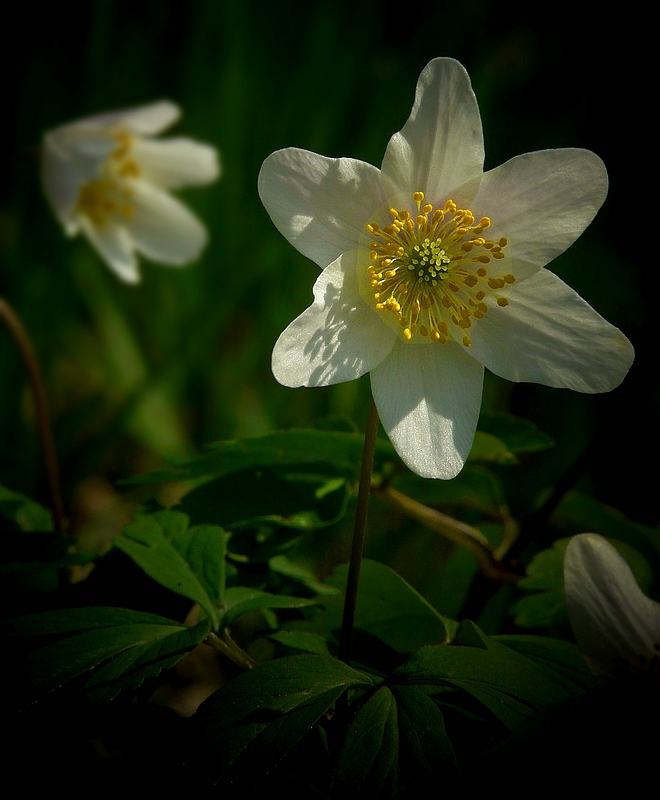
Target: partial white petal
162, 228
548, 334
144, 120
321, 205
441, 145
428, 397
613, 621
173, 163
541, 202
338, 338
69, 159
115, 247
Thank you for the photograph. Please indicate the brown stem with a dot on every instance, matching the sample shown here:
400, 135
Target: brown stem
24, 345
454, 530
359, 532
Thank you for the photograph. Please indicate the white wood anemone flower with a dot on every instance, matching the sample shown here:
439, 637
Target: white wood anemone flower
617, 627
433, 270
109, 178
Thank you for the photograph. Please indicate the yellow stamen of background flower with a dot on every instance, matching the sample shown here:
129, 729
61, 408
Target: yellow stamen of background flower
108, 196
428, 270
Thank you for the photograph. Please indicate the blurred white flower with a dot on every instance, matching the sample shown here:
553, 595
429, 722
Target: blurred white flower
617, 627
109, 178
433, 270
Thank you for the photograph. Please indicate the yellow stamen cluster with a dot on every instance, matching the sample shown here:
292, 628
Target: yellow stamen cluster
109, 195
434, 271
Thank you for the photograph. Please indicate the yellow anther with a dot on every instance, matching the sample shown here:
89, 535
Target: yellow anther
503, 242
407, 334
502, 302
454, 287
421, 220
450, 206
467, 247
385, 262
391, 273
372, 228
466, 341
482, 259
482, 307
495, 283
471, 280
498, 254
484, 222
427, 208
394, 212
423, 330
480, 295
434, 336
438, 216
508, 278
446, 302
403, 322
373, 255
380, 306
415, 308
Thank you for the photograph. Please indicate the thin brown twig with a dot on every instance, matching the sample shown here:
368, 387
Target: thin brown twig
44, 429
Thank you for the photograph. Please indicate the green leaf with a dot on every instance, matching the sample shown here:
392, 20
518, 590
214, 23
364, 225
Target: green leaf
302, 500
302, 640
518, 435
367, 762
143, 643
487, 447
296, 446
243, 730
506, 682
25, 513
239, 599
426, 755
284, 566
397, 747
563, 659
387, 607
160, 544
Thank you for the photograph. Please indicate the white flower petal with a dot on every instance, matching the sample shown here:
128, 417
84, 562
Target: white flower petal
321, 205
428, 398
441, 145
162, 228
144, 120
115, 247
541, 202
338, 338
548, 334
173, 163
612, 619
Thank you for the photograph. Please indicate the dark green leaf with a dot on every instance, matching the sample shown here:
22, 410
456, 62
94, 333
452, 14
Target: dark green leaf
140, 645
300, 500
367, 762
25, 513
506, 682
148, 544
246, 727
296, 446
239, 599
487, 447
519, 435
426, 755
387, 607
562, 658
302, 640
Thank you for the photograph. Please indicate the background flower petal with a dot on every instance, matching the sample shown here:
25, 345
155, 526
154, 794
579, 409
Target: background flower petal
338, 338
428, 397
321, 205
162, 228
145, 120
441, 145
541, 202
548, 334
173, 163
115, 247
612, 619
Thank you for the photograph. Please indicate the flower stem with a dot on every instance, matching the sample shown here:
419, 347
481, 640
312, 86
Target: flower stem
227, 646
359, 532
25, 348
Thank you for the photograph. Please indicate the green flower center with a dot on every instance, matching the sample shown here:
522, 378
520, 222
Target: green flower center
433, 274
